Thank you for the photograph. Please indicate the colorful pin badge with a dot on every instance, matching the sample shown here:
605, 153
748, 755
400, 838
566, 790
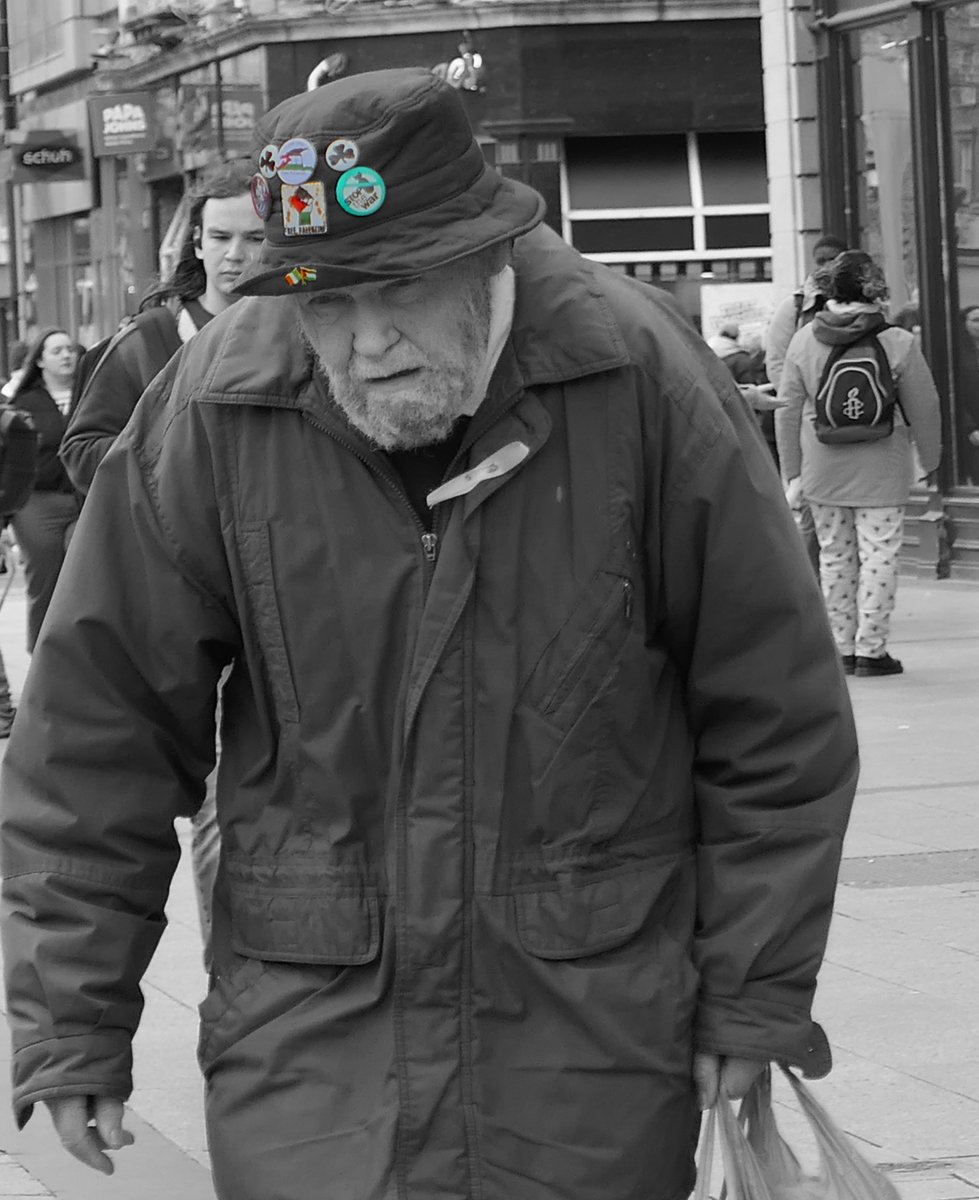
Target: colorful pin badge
361, 191
300, 275
261, 196
296, 161
341, 154
303, 209
267, 160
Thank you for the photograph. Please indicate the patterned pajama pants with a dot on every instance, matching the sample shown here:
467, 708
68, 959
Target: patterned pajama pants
858, 549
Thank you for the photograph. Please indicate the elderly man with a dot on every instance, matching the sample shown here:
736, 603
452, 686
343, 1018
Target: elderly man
535, 766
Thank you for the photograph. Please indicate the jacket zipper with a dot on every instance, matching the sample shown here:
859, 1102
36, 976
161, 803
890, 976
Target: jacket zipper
429, 541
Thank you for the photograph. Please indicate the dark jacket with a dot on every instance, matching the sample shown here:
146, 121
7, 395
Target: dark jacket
510, 824
138, 352
50, 426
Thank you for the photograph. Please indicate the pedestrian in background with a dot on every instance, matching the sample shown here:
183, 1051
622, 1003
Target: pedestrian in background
857, 491
222, 238
747, 366
537, 755
792, 314
43, 526
967, 397
16, 359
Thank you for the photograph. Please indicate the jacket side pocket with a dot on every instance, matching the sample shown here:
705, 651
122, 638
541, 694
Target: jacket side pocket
583, 916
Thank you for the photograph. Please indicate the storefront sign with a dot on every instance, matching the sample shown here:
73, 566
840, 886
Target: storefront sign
198, 128
121, 124
747, 305
47, 156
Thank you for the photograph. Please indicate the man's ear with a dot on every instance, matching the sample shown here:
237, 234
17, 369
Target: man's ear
198, 246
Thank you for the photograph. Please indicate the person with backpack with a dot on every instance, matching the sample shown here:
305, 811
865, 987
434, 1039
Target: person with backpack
223, 236
856, 391
792, 314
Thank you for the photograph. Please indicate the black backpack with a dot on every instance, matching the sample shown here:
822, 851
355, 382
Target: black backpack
856, 395
18, 459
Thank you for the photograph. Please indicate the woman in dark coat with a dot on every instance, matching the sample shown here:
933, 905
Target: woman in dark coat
43, 526
967, 397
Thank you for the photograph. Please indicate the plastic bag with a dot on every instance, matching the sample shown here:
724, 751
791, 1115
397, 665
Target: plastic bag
844, 1173
760, 1165
743, 1176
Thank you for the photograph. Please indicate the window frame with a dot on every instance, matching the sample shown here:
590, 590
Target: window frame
697, 210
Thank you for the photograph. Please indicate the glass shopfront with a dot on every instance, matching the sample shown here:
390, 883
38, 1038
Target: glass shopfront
902, 82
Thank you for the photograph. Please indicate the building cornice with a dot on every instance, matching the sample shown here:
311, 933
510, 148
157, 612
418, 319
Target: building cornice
254, 32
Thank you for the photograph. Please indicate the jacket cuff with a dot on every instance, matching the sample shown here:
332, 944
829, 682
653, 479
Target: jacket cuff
754, 1028
90, 1064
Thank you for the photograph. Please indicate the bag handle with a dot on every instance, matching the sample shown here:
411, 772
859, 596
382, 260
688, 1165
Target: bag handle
705, 1158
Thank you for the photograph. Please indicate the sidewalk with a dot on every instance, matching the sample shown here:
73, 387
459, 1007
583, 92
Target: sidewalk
898, 993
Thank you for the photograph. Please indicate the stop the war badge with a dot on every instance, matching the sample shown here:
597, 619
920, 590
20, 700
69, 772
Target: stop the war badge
303, 209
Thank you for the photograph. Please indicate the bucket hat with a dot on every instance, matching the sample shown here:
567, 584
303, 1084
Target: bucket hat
376, 176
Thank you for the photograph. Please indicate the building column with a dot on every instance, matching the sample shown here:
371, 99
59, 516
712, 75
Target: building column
792, 138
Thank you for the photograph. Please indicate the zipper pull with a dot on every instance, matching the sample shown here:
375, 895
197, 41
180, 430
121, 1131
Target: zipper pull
627, 590
430, 544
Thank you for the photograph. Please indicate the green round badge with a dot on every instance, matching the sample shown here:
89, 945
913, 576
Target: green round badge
361, 191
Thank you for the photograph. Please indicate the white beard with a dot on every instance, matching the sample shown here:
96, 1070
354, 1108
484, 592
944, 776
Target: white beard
423, 411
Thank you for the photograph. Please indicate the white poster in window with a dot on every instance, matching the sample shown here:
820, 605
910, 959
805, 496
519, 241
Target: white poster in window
747, 305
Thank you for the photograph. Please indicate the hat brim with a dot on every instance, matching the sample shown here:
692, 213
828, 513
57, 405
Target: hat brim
494, 209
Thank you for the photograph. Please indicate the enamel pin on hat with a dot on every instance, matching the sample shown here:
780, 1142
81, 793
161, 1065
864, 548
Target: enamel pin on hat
342, 154
267, 160
361, 191
296, 161
261, 196
303, 209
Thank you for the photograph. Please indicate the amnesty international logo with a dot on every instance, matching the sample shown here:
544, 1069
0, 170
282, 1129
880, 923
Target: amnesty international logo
853, 406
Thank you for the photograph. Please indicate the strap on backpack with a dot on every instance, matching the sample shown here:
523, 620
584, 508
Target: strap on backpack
159, 342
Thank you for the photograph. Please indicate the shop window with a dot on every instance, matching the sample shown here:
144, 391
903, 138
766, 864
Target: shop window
628, 172
962, 33
662, 234
888, 216
688, 212
728, 232
733, 170
36, 31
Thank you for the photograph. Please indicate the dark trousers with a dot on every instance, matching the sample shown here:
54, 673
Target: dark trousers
43, 528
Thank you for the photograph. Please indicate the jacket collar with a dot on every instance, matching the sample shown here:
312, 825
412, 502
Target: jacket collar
562, 330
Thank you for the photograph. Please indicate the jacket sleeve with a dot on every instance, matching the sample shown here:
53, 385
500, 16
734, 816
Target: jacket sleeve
114, 738
780, 331
774, 748
101, 413
788, 419
919, 399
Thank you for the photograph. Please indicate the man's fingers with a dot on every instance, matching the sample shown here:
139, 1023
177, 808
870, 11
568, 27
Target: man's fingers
706, 1074
70, 1116
738, 1074
108, 1123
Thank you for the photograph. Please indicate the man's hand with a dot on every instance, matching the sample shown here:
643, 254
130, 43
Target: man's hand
761, 399
732, 1076
87, 1142
793, 492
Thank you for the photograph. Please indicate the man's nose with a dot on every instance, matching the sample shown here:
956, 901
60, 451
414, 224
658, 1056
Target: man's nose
237, 249
374, 332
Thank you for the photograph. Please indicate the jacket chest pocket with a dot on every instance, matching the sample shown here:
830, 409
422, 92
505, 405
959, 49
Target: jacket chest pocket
584, 653
255, 548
